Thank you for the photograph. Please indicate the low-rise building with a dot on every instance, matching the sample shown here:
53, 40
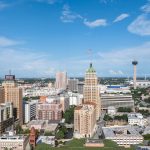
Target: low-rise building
37, 124
137, 119
13, 142
50, 140
111, 110
116, 100
122, 135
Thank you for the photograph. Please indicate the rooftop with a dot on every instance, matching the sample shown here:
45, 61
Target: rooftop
120, 131
91, 69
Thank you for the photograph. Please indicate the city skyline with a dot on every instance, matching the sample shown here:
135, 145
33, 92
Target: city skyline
40, 37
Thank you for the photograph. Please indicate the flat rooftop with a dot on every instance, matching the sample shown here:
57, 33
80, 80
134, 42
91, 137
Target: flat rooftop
120, 131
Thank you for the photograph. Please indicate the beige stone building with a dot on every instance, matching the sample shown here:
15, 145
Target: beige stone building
12, 93
91, 91
84, 120
1, 95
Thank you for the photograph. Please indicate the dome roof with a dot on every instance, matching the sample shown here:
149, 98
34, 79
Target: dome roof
91, 69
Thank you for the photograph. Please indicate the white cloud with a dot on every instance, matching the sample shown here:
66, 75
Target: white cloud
141, 25
48, 1
4, 42
3, 5
95, 23
105, 1
146, 8
68, 15
121, 17
119, 72
26, 63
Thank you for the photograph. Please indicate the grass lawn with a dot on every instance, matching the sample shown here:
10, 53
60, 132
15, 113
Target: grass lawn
76, 144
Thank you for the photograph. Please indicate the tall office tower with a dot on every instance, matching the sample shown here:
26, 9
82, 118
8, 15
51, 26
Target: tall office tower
134, 63
84, 120
91, 92
73, 85
61, 80
13, 94
1, 95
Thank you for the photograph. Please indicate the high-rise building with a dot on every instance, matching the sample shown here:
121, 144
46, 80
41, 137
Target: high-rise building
73, 85
29, 109
84, 120
91, 91
134, 63
2, 95
6, 117
12, 93
61, 80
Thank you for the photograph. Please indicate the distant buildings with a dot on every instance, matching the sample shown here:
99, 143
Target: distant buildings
73, 85
61, 80
142, 83
13, 94
122, 135
91, 91
29, 109
84, 120
80, 87
6, 117
116, 100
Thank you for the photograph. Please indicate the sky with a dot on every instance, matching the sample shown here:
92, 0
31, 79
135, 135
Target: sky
40, 37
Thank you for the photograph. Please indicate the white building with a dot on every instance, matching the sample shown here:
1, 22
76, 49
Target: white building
50, 140
122, 135
75, 98
30, 108
111, 110
13, 142
141, 83
137, 119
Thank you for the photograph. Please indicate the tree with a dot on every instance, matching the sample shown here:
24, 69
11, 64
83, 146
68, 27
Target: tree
124, 109
69, 115
60, 135
107, 117
18, 129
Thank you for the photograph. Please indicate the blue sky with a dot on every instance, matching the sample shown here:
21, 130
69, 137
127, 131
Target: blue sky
40, 37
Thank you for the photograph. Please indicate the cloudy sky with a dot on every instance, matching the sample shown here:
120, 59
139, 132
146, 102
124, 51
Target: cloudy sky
40, 37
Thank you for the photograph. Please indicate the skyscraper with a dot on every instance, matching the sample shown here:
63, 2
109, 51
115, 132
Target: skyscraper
61, 80
13, 94
91, 92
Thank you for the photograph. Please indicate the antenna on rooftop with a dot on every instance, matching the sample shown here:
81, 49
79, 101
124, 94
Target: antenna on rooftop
90, 54
10, 72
